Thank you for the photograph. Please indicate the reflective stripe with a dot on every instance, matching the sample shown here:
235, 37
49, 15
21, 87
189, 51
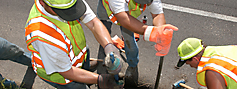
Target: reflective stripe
216, 57
113, 18
199, 68
60, 5
79, 56
48, 23
222, 69
67, 81
205, 59
38, 58
78, 65
148, 33
143, 9
47, 37
37, 65
36, 55
71, 54
226, 59
222, 65
35, 68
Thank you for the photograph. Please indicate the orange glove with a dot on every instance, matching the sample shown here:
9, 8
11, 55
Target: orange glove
137, 36
162, 36
118, 42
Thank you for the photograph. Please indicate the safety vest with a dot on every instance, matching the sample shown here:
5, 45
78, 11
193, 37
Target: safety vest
69, 37
221, 59
135, 10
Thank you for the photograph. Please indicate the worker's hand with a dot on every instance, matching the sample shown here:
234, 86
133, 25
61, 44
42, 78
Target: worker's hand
117, 66
111, 48
162, 36
118, 42
107, 81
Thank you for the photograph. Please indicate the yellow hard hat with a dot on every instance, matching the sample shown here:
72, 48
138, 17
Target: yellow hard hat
188, 48
67, 9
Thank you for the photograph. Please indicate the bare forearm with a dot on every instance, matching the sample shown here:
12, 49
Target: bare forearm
131, 23
99, 31
80, 75
158, 19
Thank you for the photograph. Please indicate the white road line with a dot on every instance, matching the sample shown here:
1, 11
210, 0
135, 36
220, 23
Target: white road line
200, 12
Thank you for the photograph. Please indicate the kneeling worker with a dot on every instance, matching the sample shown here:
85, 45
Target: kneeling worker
216, 65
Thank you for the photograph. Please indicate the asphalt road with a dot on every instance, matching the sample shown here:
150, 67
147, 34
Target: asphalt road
212, 29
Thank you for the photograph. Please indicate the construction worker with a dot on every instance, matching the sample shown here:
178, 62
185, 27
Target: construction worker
125, 13
12, 52
56, 39
216, 65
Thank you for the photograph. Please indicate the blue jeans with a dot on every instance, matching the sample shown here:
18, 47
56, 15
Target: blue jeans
131, 48
12, 52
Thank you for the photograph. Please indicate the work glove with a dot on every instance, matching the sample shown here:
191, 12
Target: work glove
107, 81
118, 65
111, 48
162, 36
118, 42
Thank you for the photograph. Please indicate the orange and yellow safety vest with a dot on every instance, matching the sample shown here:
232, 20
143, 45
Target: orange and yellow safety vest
135, 10
69, 37
221, 59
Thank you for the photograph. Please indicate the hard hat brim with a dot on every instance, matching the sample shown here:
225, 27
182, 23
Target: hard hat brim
181, 63
72, 13
143, 1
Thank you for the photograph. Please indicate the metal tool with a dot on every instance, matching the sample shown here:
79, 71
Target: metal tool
94, 59
118, 80
159, 72
112, 59
181, 83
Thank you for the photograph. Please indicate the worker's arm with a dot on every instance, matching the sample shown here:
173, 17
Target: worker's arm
214, 80
84, 76
158, 19
130, 23
100, 32
80, 75
103, 37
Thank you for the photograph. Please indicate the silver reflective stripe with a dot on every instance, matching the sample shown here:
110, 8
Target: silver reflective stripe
37, 56
78, 65
79, 56
204, 59
222, 69
111, 16
49, 38
67, 81
148, 33
45, 21
199, 68
225, 59
71, 54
